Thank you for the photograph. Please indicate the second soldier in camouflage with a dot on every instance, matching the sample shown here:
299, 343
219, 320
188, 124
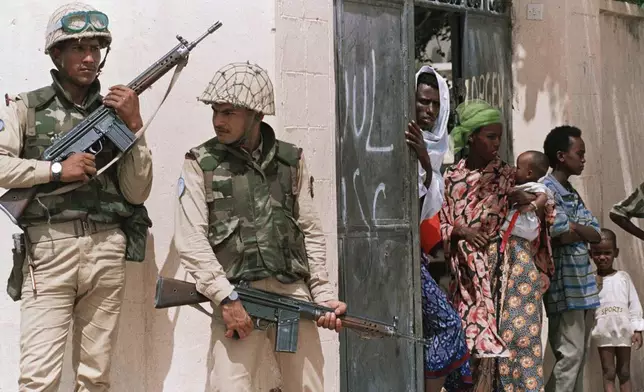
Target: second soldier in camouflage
242, 215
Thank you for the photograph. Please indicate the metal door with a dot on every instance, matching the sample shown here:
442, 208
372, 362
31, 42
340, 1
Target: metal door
377, 192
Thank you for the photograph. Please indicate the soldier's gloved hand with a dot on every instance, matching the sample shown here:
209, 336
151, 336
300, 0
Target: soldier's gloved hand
236, 319
126, 104
331, 320
78, 167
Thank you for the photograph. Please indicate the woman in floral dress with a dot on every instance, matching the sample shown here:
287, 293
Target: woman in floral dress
478, 191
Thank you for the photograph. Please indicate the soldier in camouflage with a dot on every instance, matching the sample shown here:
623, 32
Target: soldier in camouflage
76, 241
242, 215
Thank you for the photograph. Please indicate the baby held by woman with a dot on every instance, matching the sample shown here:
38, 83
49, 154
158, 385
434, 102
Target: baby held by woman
524, 222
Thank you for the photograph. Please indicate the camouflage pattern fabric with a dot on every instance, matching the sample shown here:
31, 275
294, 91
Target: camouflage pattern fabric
52, 114
253, 210
632, 206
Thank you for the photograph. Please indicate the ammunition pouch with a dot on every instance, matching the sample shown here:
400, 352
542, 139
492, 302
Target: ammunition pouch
16, 277
135, 229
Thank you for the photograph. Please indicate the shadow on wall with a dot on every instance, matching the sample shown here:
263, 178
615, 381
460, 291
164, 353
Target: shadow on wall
160, 325
146, 335
539, 72
622, 45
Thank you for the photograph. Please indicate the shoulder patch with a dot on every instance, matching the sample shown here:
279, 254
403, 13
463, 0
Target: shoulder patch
181, 187
1, 125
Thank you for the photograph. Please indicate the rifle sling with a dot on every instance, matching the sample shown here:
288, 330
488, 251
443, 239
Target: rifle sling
139, 134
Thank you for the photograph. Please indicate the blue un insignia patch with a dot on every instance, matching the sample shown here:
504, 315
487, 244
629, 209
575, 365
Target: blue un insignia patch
1, 125
181, 187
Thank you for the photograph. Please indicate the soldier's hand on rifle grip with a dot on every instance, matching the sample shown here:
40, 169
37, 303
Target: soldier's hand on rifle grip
126, 104
331, 320
236, 319
78, 167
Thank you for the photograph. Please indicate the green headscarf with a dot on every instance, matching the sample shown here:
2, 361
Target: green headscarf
472, 115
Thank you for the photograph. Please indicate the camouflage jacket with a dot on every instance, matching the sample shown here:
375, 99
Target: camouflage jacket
253, 212
50, 114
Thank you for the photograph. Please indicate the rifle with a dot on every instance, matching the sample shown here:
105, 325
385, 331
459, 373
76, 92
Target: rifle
101, 125
273, 309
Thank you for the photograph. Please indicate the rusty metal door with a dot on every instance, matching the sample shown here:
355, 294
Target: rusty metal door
377, 192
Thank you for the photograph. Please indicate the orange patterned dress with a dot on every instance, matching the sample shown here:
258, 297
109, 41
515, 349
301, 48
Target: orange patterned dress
497, 296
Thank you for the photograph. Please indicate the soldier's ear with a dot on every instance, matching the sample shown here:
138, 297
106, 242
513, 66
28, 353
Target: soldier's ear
55, 55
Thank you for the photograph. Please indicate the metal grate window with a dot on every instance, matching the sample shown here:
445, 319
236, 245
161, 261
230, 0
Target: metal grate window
494, 6
638, 2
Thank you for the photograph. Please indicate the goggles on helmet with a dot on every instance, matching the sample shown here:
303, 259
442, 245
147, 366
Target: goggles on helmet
80, 21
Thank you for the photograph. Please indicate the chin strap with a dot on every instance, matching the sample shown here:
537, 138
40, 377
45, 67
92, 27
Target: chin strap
100, 67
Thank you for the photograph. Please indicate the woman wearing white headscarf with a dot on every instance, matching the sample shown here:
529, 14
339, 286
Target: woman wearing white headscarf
446, 358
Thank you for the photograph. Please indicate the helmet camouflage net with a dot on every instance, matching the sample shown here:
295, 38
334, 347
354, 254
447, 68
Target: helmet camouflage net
56, 34
243, 85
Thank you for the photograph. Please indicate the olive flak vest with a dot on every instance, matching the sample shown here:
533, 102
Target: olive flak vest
49, 115
253, 210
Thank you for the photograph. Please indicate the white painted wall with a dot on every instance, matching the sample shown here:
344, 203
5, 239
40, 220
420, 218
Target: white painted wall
157, 350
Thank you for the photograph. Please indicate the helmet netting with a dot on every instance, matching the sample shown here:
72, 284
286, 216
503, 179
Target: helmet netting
243, 85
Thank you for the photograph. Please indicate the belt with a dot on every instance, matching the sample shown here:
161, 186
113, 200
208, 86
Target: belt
74, 228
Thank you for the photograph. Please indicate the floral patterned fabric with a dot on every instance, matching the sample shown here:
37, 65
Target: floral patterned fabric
520, 323
476, 199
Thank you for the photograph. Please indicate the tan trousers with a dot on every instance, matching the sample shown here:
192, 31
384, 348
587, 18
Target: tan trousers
251, 365
80, 279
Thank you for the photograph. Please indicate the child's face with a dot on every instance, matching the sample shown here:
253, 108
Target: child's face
604, 253
573, 160
524, 170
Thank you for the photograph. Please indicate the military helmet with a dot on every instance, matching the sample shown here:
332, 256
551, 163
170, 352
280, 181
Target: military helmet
77, 21
244, 85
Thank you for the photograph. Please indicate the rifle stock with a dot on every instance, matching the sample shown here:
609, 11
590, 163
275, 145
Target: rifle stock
15, 201
174, 292
101, 124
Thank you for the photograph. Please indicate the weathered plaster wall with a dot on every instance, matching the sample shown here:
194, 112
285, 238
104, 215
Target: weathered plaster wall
581, 65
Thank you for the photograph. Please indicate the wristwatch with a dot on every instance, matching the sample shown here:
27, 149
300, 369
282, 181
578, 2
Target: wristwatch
56, 171
233, 296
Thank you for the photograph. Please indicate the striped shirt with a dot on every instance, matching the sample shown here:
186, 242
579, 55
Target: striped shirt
632, 206
573, 285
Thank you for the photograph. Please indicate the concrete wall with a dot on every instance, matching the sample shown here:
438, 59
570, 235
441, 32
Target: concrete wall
581, 65
292, 39
622, 46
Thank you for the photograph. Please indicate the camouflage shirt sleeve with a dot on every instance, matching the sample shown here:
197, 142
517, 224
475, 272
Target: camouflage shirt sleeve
16, 172
191, 235
632, 206
322, 289
135, 173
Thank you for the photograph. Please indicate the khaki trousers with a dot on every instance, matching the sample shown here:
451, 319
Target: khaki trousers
569, 336
79, 278
251, 365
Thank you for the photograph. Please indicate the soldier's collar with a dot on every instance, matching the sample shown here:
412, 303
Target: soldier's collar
93, 93
257, 153
268, 142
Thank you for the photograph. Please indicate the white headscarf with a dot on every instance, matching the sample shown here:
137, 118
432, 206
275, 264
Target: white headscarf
436, 142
